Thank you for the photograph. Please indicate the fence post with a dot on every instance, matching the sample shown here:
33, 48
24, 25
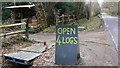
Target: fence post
73, 17
27, 32
62, 19
56, 19
69, 18
4, 39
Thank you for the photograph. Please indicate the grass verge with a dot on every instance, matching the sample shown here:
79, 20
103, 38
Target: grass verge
95, 22
50, 29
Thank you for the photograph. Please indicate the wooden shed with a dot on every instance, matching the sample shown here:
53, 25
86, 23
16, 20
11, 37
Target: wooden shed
23, 12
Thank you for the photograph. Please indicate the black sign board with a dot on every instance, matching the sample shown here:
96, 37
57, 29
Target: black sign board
66, 44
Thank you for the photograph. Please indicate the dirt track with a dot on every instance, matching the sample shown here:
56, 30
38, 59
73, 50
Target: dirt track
96, 48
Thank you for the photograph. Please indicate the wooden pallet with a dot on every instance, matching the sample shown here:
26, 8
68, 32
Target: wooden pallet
15, 60
21, 57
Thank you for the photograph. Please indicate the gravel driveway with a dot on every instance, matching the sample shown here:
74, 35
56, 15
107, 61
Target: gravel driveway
96, 48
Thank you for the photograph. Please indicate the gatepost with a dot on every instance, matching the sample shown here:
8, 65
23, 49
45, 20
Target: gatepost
67, 49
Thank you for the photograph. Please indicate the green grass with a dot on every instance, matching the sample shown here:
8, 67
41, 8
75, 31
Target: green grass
50, 29
91, 25
80, 21
94, 23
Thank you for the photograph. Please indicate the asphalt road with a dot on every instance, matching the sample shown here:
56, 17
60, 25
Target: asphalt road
111, 22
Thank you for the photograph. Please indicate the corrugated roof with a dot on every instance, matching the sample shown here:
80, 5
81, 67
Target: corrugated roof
21, 6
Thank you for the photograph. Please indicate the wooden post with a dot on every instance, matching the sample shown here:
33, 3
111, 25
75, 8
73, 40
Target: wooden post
69, 18
4, 35
14, 15
56, 19
0, 28
78, 50
62, 19
27, 32
73, 17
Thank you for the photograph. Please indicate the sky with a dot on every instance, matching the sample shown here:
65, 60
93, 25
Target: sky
100, 2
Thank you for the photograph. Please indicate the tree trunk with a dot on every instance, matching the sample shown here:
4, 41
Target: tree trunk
49, 6
41, 15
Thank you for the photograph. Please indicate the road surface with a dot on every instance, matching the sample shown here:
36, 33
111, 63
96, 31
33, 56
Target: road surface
111, 22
